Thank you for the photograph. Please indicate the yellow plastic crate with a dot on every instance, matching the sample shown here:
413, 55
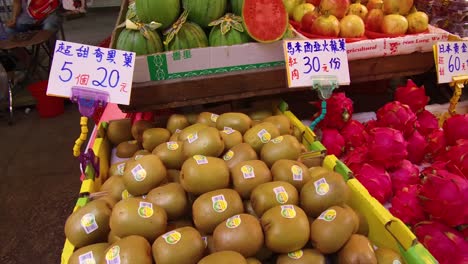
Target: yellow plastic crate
385, 230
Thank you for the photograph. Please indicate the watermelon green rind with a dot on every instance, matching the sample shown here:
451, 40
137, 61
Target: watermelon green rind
233, 37
203, 12
162, 11
265, 20
190, 36
133, 40
236, 6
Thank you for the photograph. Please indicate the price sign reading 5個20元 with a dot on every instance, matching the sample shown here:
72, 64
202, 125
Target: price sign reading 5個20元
92, 67
451, 60
309, 59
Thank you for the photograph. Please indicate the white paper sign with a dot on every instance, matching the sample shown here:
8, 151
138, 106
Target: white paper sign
451, 60
102, 69
309, 59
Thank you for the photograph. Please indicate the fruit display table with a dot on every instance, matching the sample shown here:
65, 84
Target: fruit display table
155, 95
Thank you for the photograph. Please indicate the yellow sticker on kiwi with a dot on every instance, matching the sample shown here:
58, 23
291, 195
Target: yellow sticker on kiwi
172, 145
126, 194
139, 174
172, 237
288, 211
233, 222
214, 117
281, 194
321, 186
200, 159
264, 136
328, 215
87, 258
137, 157
121, 169
297, 173
113, 255
248, 172
296, 254
192, 138
88, 223
277, 140
228, 130
145, 210
228, 155
219, 203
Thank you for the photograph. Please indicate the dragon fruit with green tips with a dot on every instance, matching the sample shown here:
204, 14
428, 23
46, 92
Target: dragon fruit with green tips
445, 244
406, 205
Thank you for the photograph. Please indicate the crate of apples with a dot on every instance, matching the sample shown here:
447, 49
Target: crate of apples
356, 21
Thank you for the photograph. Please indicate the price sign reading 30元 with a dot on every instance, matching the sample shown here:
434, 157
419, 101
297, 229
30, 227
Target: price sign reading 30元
306, 59
102, 69
451, 60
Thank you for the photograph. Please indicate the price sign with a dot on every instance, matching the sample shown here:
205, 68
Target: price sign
451, 59
97, 68
309, 59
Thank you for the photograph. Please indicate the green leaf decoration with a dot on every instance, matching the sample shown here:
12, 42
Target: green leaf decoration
227, 22
171, 32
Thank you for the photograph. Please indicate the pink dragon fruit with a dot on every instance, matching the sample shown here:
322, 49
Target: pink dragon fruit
339, 111
445, 244
354, 134
427, 122
457, 158
436, 144
444, 196
376, 180
369, 125
413, 96
405, 175
355, 158
398, 116
455, 128
333, 141
406, 205
387, 146
417, 147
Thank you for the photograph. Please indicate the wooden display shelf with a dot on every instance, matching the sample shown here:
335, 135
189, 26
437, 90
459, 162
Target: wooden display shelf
150, 96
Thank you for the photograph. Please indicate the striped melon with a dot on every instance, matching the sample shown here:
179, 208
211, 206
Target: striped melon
161, 11
203, 12
228, 31
236, 6
190, 36
134, 40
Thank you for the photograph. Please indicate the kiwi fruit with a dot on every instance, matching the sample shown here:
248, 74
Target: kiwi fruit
239, 153
231, 138
253, 261
225, 257
117, 168
129, 250
206, 142
247, 175
201, 174
182, 246
89, 224
171, 154
114, 186
207, 118
137, 216
172, 198
270, 194
152, 137
190, 130
294, 172
388, 256
281, 122
177, 122
260, 114
302, 256
139, 127
144, 174
119, 131
112, 237
178, 224
282, 147
241, 233
173, 176
357, 249
127, 149
140, 153
260, 134
237, 121
93, 254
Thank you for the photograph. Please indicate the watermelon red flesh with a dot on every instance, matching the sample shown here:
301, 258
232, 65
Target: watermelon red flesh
265, 20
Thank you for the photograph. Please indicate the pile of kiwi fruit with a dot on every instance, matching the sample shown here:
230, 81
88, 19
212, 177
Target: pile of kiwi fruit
229, 188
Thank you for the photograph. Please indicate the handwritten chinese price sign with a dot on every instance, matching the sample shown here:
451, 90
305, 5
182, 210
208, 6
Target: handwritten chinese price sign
309, 59
451, 60
92, 67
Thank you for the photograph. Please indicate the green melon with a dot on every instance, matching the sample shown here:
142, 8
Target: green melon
134, 40
185, 35
203, 12
236, 6
265, 20
161, 11
228, 31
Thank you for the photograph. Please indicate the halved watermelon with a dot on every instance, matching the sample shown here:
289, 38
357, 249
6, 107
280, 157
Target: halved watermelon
265, 20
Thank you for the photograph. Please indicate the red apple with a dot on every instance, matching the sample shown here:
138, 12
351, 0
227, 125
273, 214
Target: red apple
308, 20
336, 8
326, 25
352, 26
300, 10
374, 20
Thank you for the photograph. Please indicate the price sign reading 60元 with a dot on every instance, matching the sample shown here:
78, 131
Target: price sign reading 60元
306, 59
103, 69
451, 60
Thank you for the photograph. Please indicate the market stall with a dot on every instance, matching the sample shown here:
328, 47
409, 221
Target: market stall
250, 182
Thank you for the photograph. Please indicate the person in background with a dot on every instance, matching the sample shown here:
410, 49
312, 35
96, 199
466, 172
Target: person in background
34, 14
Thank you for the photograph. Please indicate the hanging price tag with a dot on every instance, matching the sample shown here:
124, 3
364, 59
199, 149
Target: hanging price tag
306, 59
100, 69
451, 60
